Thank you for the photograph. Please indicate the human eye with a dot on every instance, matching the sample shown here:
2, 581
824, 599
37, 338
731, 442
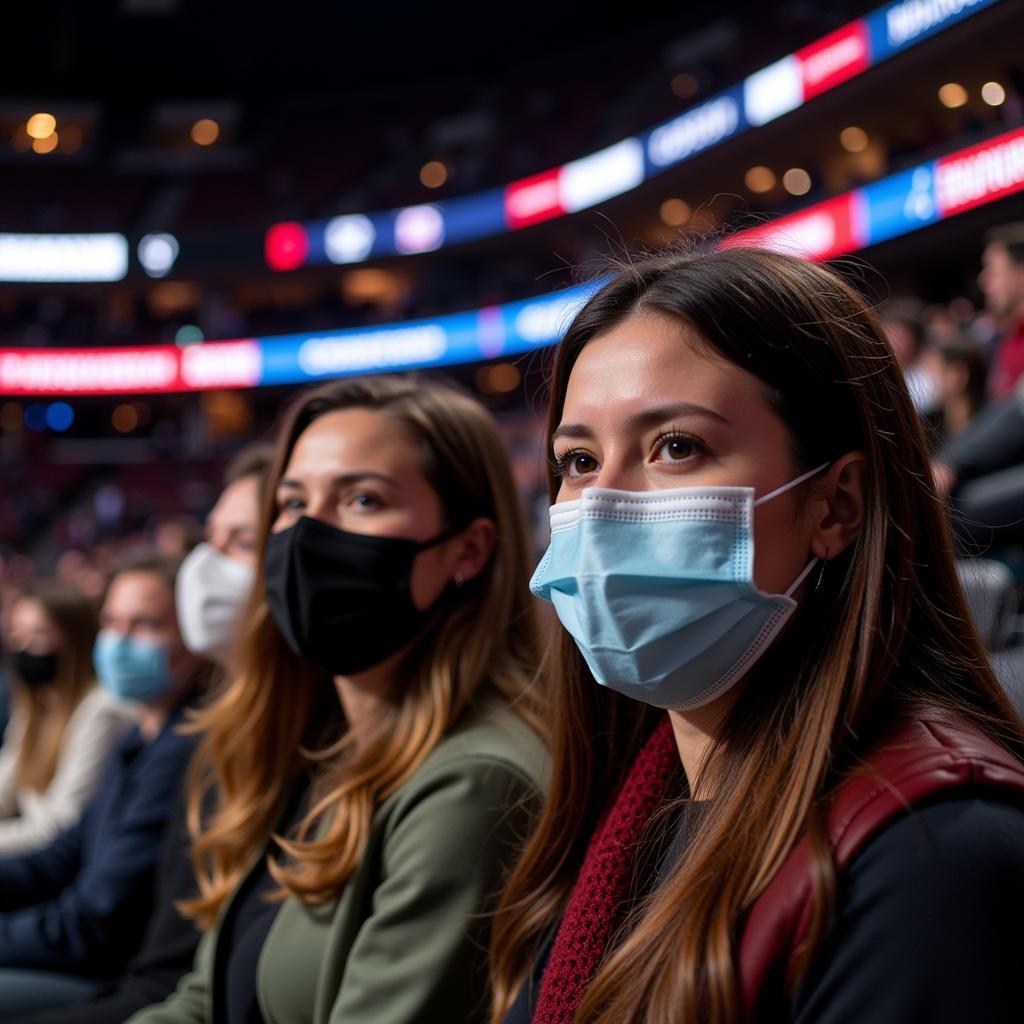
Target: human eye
363, 500
573, 464
290, 503
678, 447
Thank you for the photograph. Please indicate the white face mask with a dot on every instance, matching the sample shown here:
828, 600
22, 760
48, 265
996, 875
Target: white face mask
210, 595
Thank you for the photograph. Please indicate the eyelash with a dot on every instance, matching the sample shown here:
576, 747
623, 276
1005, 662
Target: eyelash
375, 500
297, 504
560, 463
698, 446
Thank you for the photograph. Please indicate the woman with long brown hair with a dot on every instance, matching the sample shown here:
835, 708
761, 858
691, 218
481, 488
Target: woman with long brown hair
64, 726
363, 782
786, 785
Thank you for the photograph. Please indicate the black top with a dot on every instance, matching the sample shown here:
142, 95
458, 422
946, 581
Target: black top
245, 935
246, 926
927, 926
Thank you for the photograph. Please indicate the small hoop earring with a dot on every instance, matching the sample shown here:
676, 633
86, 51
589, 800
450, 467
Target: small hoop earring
821, 572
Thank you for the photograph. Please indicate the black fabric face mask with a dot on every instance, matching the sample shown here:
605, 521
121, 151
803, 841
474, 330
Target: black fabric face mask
343, 600
35, 670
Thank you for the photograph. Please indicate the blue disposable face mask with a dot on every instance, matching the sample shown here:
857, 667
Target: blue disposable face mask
657, 589
132, 669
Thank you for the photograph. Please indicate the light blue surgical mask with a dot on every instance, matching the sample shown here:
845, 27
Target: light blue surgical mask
657, 588
132, 669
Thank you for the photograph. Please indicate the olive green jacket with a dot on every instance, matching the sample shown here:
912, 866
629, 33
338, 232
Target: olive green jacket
406, 940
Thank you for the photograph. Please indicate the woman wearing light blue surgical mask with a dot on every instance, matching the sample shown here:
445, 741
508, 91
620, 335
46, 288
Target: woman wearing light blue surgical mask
73, 914
139, 654
778, 746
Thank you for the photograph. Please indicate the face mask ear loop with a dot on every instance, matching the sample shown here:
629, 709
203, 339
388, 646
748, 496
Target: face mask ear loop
796, 583
792, 483
441, 538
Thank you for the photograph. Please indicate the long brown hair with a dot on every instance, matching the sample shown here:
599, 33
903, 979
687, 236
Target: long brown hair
482, 639
887, 631
46, 721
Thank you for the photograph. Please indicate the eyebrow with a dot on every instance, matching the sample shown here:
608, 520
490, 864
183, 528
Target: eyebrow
344, 480
642, 420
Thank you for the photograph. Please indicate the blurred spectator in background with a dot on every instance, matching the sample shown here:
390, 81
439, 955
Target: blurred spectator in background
982, 469
904, 324
80, 571
215, 579
176, 536
958, 370
1002, 283
63, 725
72, 914
212, 588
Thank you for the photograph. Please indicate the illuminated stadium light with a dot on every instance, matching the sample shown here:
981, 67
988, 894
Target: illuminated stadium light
532, 200
501, 378
188, 334
398, 346
286, 246
696, 130
760, 179
612, 171
908, 21
762, 97
57, 258
952, 95
349, 239
980, 174
796, 181
125, 418
47, 145
675, 212
853, 139
885, 209
821, 232
419, 229
684, 85
40, 126
547, 317
433, 174
157, 253
226, 364
834, 59
993, 94
205, 132
59, 416
773, 91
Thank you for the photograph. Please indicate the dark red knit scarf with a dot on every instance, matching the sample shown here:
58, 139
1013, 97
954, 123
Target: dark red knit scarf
602, 886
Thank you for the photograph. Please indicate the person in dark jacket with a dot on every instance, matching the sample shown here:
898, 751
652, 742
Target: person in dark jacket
73, 913
981, 470
211, 589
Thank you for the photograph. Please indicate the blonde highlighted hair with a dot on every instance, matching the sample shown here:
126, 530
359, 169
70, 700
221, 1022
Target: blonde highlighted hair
482, 638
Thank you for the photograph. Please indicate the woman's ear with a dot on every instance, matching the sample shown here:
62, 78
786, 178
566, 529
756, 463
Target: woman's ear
839, 505
475, 547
